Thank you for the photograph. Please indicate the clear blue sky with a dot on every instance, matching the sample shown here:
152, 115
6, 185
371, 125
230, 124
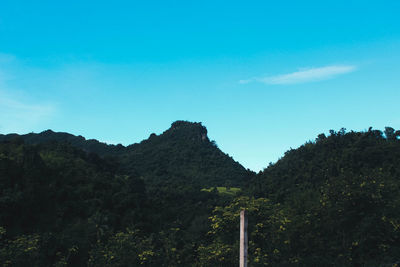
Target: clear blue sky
262, 76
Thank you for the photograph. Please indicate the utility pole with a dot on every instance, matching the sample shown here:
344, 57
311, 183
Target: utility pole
243, 239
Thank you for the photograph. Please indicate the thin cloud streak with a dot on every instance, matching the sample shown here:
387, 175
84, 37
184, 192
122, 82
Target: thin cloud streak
304, 75
16, 116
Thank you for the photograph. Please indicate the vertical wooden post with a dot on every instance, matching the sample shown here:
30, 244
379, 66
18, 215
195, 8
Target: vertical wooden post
243, 239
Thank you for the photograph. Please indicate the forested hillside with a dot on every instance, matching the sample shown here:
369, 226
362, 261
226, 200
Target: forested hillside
182, 154
90, 145
62, 194
332, 202
68, 201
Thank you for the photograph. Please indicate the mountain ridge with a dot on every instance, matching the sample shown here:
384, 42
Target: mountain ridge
331, 202
179, 152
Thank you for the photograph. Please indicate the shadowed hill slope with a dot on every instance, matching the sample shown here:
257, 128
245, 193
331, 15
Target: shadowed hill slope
184, 151
181, 154
337, 200
312, 164
88, 145
332, 202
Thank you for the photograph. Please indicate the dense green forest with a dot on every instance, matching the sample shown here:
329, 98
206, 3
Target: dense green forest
174, 200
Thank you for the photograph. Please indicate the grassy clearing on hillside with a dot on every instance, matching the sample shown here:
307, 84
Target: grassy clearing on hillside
224, 190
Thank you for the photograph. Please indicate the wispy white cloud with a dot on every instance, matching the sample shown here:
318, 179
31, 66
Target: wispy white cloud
304, 75
19, 116
18, 113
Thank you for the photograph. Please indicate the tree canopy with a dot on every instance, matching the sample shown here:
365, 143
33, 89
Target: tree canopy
174, 200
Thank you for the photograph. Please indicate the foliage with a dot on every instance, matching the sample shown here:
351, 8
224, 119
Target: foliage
268, 223
123, 249
174, 200
20, 251
341, 195
223, 190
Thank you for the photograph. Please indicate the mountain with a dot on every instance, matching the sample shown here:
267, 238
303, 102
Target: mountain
184, 153
181, 154
57, 197
68, 201
331, 202
312, 164
62, 192
88, 145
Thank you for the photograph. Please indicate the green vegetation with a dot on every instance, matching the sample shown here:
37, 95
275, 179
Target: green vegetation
174, 200
223, 190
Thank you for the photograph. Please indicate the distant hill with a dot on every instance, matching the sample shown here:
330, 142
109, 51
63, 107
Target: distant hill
64, 195
88, 145
182, 154
312, 164
339, 199
174, 200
